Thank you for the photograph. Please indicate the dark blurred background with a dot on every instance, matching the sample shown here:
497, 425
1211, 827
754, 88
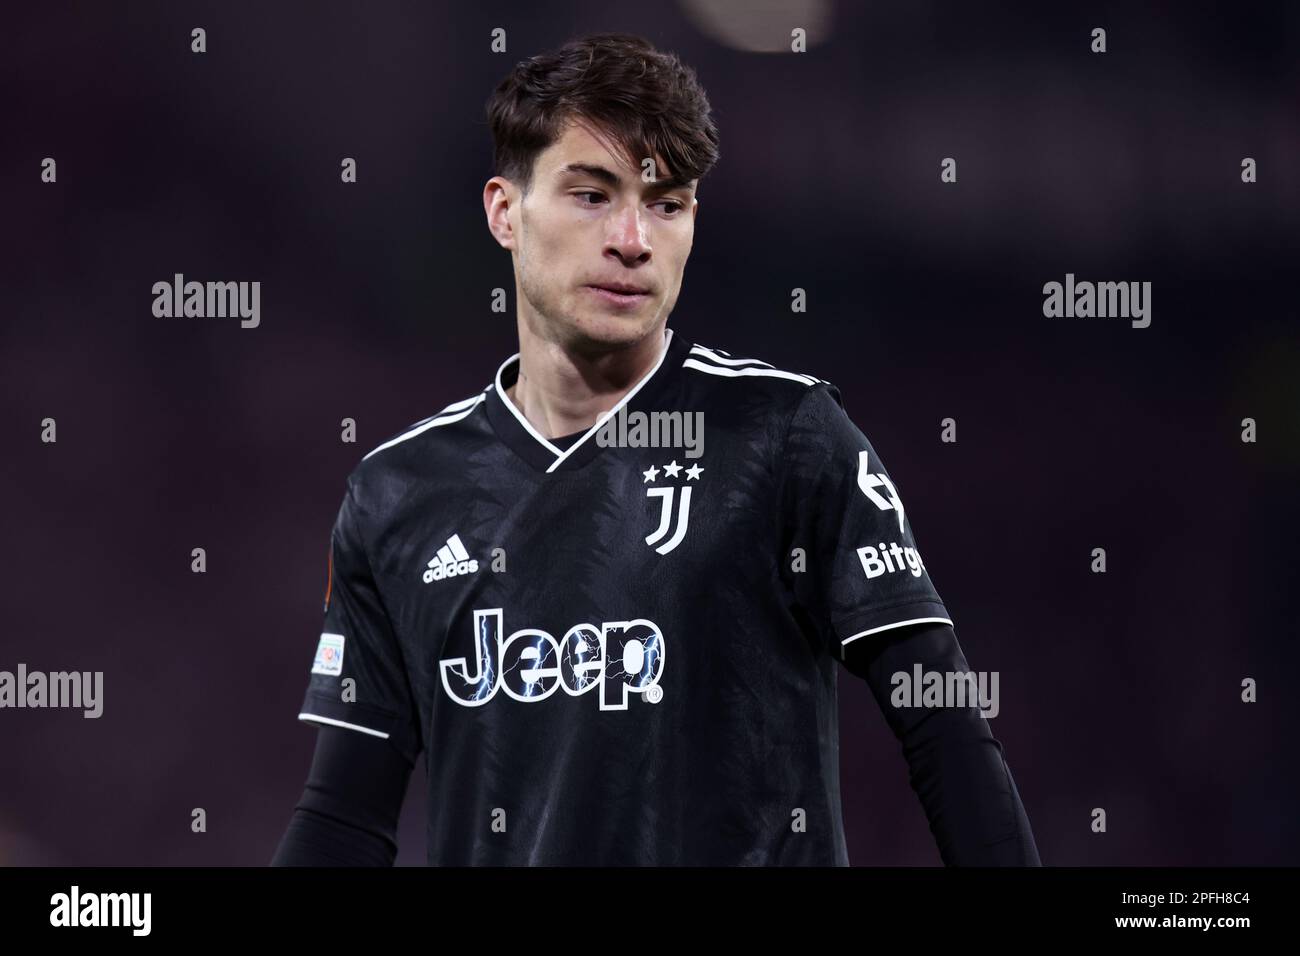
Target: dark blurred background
1119, 690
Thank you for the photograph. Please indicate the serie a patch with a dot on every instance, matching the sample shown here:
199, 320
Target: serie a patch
329, 655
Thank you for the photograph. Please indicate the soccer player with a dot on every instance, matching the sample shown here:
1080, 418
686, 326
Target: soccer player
609, 595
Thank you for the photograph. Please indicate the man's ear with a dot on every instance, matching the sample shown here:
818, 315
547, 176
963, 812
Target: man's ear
498, 201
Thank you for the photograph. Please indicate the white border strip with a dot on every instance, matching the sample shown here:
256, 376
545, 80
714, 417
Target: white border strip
714, 356
561, 455
717, 355
748, 370
342, 723
442, 418
886, 627
668, 338
505, 400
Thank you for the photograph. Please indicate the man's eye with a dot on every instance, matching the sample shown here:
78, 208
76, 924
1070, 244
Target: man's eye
672, 205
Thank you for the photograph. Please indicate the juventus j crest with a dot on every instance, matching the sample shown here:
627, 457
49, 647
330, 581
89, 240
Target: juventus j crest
675, 504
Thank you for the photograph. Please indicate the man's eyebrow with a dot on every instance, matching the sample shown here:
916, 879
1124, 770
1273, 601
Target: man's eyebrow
673, 182
611, 178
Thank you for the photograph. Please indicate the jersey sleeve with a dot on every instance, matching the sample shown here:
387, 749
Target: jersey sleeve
858, 571
358, 677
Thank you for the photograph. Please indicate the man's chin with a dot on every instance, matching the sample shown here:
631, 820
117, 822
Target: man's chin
602, 332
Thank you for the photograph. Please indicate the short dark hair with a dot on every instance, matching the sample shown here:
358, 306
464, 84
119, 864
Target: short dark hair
647, 101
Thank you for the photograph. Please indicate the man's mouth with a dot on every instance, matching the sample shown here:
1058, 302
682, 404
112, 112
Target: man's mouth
623, 288
619, 293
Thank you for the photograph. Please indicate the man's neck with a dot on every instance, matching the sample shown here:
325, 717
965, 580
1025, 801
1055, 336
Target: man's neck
561, 392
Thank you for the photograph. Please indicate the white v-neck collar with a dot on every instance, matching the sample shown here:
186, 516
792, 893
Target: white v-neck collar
560, 456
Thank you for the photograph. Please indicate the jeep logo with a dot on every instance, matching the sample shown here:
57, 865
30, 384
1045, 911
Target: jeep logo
622, 657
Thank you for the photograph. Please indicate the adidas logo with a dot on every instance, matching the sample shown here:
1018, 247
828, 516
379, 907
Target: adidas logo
452, 559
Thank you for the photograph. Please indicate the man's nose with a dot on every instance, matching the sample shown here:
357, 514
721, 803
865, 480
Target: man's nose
628, 237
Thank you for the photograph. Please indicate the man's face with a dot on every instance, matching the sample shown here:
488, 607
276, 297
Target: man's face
588, 223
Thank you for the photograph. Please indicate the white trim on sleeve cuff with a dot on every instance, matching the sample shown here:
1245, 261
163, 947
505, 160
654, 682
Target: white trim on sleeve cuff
342, 723
886, 627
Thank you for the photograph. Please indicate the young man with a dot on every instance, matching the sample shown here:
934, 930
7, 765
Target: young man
608, 596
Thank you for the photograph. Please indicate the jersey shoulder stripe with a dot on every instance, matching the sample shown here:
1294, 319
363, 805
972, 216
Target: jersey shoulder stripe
452, 413
717, 362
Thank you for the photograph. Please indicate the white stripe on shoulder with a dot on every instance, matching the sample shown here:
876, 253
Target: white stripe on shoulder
718, 362
717, 356
452, 413
747, 371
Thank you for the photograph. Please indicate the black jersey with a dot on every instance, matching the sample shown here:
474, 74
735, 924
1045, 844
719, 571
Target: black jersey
624, 651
